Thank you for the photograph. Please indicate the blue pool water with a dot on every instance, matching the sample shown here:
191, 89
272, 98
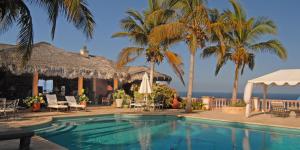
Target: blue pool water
164, 133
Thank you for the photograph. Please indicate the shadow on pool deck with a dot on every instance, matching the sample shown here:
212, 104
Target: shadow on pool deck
37, 143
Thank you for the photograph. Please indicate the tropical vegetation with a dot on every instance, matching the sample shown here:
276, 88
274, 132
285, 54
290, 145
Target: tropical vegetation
242, 41
83, 97
164, 93
137, 27
29, 101
194, 27
17, 11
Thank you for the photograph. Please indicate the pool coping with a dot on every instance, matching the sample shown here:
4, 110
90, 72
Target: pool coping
51, 118
249, 123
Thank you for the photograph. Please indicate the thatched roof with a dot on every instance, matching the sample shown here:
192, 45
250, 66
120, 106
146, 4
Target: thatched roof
51, 61
137, 72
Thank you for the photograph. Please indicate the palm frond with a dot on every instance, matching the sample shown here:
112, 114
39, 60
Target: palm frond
128, 55
209, 51
77, 12
8, 15
163, 33
221, 61
25, 37
136, 15
271, 46
176, 63
120, 34
261, 26
239, 10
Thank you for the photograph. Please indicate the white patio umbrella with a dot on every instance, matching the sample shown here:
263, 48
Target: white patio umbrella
145, 87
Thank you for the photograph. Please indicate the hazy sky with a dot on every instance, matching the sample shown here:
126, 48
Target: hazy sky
108, 14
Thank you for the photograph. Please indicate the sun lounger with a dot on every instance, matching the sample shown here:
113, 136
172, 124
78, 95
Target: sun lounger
278, 109
52, 103
23, 135
73, 104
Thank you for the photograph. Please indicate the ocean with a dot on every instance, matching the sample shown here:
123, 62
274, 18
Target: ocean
240, 95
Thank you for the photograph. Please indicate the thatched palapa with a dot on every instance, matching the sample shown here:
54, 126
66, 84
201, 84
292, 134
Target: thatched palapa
51, 61
136, 74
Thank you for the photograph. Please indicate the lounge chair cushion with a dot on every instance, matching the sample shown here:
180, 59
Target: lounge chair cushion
7, 110
77, 106
57, 106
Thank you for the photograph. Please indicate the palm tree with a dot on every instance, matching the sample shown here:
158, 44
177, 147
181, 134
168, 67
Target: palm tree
75, 11
242, 41
194, 27
137, 27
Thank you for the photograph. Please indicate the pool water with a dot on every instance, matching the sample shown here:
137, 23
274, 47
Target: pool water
133, 132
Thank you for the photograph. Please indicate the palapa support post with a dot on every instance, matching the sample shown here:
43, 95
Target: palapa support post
116, 84
35, 82
80, 85
95, 89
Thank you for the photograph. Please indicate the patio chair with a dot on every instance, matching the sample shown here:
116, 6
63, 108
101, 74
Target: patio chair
8, 107
52, 103
157, 105
138, 104
278, 109
107, 100
73, 103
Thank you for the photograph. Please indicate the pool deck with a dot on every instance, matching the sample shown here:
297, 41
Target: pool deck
34, 118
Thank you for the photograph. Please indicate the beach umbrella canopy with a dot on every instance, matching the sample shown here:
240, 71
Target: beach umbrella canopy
145, 85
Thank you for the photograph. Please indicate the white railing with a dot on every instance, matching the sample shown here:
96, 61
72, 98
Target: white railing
288, 104
218, 103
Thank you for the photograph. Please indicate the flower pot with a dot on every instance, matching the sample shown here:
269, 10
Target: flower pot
119, 103
83, 103
125, 106
36, 107
234, 110
175, 103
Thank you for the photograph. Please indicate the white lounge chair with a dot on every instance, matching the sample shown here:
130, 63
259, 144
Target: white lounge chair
73, 104
52, 103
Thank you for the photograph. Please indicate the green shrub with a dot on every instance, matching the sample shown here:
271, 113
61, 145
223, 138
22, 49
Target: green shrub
195, 105
240, 103
163, 92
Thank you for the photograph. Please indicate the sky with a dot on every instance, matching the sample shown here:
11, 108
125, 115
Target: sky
108, 13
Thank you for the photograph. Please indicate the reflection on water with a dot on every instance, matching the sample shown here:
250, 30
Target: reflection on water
161, 132
246, 139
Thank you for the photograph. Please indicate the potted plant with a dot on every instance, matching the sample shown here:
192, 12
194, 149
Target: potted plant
118, 96
175, 102
35, 102
126, 101
235, 108
83, 99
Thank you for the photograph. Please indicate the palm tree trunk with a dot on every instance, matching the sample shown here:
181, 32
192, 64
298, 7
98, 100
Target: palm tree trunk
190, 86
152, 65
235, 84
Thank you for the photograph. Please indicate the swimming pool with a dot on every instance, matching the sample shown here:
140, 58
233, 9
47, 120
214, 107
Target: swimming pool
163, 132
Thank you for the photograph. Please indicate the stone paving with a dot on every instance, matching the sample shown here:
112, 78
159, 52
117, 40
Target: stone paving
30, 118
